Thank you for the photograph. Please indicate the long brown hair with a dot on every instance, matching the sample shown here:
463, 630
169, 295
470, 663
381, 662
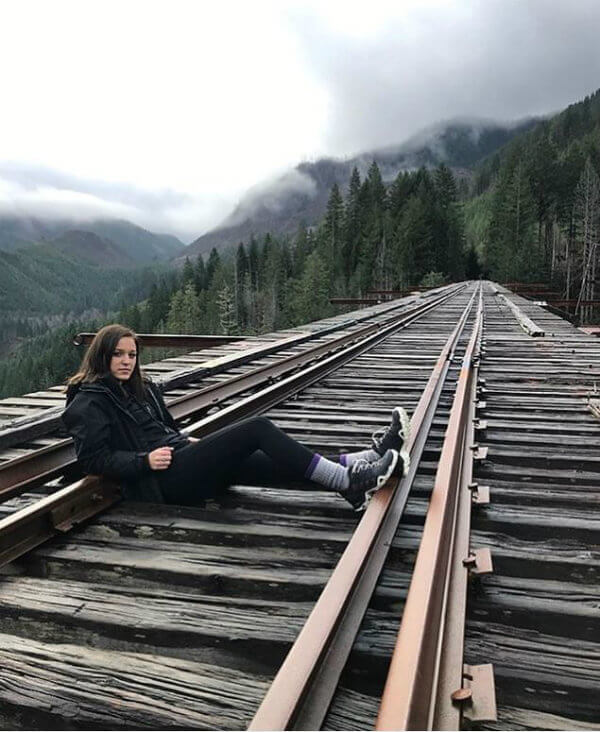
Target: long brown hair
96, 361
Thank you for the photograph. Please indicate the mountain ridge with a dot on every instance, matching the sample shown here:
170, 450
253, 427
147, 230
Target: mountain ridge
134, 243
299, 196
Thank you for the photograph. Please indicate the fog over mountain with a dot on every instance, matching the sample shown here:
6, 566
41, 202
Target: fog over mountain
47, 194
299, 196
168, 128
118, 242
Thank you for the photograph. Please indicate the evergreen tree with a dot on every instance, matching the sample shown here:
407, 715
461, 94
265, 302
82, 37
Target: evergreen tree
333, 225
188, 274
214, 261
184, 311
225, 303
450, 232
352, 225
310, 294
302, 248
415, 239
157, 306
253, 262
241, 271
200, 274
586, 217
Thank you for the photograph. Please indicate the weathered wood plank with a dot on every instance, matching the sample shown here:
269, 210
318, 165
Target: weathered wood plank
517, 718
116, 690
546, 672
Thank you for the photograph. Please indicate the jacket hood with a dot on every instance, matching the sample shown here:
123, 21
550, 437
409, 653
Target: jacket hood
105, 385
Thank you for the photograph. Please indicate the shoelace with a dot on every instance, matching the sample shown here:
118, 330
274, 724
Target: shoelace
359, 471
380, 434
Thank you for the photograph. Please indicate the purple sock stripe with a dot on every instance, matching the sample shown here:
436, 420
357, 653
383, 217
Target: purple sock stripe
343, 460
312, 465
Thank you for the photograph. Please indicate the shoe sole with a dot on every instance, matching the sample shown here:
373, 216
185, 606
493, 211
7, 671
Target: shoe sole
404, 419
381, 481
405, 455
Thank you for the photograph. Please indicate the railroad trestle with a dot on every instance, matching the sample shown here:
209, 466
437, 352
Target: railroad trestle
466, 596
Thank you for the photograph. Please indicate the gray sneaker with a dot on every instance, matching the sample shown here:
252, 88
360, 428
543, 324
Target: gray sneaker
395, 434
367, 478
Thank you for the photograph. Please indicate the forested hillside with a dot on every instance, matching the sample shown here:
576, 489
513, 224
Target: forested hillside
138, 244
535, 210
371, 237
43, 295
530, 212
300, 195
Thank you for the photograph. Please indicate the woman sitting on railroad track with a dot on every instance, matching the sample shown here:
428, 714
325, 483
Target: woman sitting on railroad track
123, 430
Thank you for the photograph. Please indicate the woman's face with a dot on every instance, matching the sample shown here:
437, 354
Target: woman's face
123, 359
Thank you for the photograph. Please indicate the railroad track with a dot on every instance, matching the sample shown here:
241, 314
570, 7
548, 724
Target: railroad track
282, 610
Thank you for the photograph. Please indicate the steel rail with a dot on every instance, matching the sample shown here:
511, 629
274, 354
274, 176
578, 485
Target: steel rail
20, 473
169, 340
410, 696
55, 514
290, 385
354, 301
454, 695
92, 495
29, 428
301, 692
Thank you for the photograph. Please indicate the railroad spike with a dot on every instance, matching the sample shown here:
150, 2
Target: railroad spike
462, 696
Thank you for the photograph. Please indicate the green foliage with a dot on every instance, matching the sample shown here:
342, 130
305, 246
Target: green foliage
523, 220
309, 296
375, 238
227, 315
43, 361
434, 279
477, 214
184, 311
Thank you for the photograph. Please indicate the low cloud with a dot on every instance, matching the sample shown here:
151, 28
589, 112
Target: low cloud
273, 195
42, 192
433, 61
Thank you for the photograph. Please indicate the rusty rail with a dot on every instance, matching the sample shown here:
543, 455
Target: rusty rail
169, 340
24, 530
30, 428
355, 301
304, 686
426, 679
85, 500
16, 475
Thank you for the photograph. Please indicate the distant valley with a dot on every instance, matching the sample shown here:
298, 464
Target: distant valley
134, 244
51, 266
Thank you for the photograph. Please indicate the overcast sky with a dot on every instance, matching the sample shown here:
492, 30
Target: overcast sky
166, 112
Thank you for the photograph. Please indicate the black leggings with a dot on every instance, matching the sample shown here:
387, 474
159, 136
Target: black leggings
254, 452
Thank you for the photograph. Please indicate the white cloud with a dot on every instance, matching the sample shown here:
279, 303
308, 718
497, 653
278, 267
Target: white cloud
46, 202
173, 110
204, 98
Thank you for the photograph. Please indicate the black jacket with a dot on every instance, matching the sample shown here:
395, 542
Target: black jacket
108, 438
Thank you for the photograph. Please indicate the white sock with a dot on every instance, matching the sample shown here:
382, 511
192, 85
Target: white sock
327, 473
349, 458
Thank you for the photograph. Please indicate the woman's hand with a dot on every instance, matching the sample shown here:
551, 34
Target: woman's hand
160, 459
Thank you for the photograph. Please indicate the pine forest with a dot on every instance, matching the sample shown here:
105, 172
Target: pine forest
530, 212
